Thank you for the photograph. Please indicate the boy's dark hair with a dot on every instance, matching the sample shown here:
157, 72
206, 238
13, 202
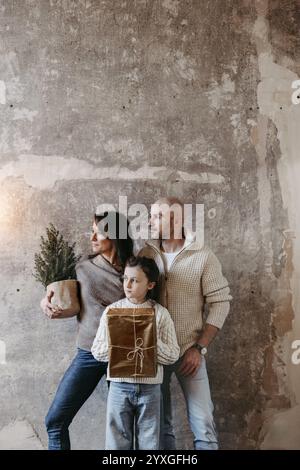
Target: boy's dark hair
150, 269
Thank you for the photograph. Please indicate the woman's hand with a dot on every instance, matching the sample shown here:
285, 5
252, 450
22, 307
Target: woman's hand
46, 305
54, 311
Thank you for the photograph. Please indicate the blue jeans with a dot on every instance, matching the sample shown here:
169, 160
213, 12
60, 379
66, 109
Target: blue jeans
133, 416
78, 383
199, 408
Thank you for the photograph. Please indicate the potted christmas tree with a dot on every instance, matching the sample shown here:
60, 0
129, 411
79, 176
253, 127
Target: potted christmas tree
55, 269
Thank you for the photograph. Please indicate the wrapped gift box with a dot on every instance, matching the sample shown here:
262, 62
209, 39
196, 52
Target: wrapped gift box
132, 342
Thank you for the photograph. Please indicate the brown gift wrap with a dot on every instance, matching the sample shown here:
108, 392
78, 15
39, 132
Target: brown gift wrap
132, 342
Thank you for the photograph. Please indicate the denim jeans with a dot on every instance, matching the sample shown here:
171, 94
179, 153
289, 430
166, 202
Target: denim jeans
78, 383
133, 416
199, 408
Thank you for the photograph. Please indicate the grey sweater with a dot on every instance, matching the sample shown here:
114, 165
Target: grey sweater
100, 285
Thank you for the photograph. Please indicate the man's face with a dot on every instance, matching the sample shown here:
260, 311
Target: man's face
162, 221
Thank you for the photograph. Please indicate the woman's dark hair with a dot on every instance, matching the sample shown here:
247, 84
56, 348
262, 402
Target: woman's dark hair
149, 267
117, 227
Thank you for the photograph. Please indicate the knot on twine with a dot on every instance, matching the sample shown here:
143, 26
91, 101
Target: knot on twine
137, 353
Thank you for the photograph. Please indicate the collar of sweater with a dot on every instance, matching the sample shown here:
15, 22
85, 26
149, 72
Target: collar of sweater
191, 243
146, 303
102, 262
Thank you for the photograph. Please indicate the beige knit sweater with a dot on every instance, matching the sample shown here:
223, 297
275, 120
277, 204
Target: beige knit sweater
195, 278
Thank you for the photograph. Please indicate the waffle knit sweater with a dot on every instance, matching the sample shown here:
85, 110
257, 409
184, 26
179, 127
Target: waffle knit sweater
167, 346
195, 278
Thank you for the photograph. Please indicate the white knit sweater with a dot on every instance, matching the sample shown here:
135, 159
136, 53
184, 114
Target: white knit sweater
195, 278
167, 346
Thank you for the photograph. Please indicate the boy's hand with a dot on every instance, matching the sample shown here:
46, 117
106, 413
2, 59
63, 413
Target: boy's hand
190, 363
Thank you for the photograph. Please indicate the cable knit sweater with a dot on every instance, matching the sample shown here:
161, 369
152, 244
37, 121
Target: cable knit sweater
167, 346
195, 278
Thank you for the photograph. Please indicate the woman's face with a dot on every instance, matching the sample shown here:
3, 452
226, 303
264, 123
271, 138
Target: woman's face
100, 244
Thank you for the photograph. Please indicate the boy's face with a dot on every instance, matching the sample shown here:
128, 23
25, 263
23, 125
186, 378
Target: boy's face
136, 284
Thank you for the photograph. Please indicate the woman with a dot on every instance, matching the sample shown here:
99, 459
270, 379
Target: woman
100, 281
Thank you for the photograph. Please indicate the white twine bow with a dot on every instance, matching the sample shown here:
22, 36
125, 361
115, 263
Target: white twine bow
137, 353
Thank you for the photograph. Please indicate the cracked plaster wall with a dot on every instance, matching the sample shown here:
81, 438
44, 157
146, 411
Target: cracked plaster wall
146, 98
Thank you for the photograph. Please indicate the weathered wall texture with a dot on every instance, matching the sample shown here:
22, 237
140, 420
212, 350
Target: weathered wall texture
146, 98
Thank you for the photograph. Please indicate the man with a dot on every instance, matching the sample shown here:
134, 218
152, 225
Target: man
190, 277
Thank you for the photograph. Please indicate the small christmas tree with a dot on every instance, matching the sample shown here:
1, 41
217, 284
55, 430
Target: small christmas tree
56, 260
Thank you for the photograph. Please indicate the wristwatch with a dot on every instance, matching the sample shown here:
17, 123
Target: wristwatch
202, 349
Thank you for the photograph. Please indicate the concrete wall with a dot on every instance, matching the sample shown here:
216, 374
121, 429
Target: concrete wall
147, 98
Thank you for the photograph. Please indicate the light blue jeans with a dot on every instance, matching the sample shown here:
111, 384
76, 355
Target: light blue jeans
200, 408
133, 416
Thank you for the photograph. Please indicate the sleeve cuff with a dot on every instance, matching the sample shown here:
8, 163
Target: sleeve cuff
217, 314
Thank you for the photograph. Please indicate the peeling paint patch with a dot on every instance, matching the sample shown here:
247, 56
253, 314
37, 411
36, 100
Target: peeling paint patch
126, 146
285, 431
218, 95
2, 353
43, 171
19, 435
240, 132
184, 66
274, 101
200, 149
2, 92
171, 6
204, 177
23, 114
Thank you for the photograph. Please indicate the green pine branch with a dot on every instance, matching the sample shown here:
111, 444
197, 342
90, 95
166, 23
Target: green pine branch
56, 260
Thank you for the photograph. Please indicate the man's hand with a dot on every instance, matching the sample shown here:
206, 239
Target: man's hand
190, 363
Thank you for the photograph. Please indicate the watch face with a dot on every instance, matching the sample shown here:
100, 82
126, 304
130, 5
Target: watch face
203, 351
